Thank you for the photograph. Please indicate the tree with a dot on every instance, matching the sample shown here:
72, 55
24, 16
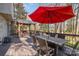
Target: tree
19, 12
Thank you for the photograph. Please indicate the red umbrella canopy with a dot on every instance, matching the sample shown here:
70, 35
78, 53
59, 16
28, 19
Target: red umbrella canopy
49, 15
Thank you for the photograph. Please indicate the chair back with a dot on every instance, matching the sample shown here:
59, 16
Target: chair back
35, 41
61, 36
43, 45
53, 34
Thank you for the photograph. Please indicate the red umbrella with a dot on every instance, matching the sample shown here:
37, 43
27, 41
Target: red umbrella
49, 15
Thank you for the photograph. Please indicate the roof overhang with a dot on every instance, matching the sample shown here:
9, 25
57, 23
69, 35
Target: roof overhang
8, 17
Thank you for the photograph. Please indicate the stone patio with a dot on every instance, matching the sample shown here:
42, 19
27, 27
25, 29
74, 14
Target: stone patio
18, 47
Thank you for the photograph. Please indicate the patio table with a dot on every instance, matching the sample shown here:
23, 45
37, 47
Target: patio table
57, 41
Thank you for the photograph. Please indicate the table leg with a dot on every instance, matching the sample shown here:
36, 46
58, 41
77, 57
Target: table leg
56, 50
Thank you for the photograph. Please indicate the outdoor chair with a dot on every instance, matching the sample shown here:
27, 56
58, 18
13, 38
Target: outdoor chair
61, 36
71, 51
37, 33
44, 48
52, 34
35, 43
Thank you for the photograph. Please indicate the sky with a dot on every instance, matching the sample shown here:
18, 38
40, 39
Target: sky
30, 7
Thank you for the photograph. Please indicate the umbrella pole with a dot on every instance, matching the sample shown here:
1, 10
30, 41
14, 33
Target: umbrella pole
48, 31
